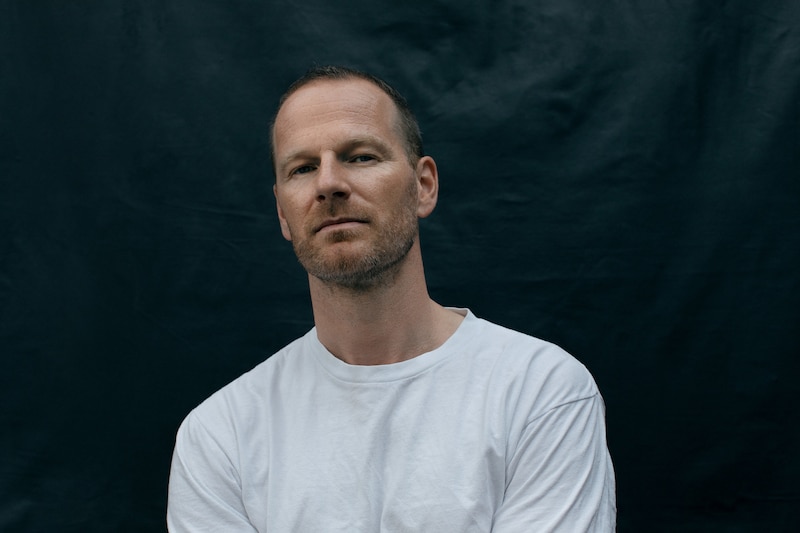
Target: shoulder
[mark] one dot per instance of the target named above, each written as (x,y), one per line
(234,406)
(533,371)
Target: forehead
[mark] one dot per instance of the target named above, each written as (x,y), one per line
(335,107)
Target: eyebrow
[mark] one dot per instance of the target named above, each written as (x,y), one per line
(370,141)
(346,146)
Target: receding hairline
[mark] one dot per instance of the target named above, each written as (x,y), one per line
(311,84)
(396,118)
(404,121)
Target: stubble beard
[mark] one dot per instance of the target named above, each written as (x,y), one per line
(364,271)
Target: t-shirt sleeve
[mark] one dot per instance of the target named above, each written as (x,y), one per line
(204,485)
(560,477)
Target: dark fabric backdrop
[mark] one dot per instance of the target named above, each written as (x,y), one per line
(621,178)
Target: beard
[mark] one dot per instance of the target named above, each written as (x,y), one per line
(388,246)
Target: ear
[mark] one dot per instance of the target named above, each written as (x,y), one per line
(428,183)
(287,234)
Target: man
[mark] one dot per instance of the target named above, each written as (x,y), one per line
(394,413)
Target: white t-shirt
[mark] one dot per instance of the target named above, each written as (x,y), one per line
(494,431)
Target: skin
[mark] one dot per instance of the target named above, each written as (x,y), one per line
(349,200)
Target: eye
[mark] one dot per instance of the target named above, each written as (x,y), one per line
(362,158)
(305,169)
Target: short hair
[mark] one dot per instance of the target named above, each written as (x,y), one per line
(409,127)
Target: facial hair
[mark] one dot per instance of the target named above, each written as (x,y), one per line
(389,245)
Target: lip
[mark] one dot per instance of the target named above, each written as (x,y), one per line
(339,222)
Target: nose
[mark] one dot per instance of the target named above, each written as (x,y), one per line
(332,181)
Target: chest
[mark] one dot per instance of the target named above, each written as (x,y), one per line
(404,457)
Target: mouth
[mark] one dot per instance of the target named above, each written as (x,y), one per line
(339,223)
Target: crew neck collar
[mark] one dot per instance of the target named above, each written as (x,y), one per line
(393,371)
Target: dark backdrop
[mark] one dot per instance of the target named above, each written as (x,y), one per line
(621,178)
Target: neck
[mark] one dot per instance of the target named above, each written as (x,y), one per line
(387,323)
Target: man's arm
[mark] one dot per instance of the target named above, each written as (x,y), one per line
(204,485)
(560,478)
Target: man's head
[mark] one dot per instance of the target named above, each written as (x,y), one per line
(406,122)
(348,193)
